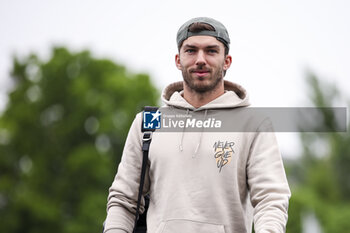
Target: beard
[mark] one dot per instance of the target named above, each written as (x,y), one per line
(203,84)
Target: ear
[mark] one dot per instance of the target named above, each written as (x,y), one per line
(177,62)
(227,62)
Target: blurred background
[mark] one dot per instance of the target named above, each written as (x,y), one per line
(73,74)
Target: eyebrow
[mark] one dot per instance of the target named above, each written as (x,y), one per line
(213,47)
(189,46)
(208,47)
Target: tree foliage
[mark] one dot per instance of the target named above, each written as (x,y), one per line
(322,174)
(61,138)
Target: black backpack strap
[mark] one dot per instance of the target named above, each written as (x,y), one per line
(146,142)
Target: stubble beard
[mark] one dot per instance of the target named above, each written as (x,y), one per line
(203,88)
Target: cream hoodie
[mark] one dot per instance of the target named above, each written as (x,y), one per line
(202,182)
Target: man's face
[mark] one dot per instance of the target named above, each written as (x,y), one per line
(202,61)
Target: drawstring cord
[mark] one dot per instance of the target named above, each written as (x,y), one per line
(200,136)
(183,132)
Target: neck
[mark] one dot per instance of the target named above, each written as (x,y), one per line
(198,99)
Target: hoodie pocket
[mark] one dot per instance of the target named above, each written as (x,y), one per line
(189,226)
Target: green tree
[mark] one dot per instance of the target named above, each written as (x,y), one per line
(61,138)
(322,179)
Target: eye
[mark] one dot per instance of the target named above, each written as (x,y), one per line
(189,50)
(212,51)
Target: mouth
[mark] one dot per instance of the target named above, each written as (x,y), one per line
(201,73)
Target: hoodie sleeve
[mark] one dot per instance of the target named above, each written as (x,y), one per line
(123,193)
(269,190)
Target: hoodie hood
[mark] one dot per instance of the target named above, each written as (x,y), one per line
(234,96)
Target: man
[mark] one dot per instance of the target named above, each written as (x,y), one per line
(202,181)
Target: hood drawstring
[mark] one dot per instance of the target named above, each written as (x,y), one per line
(200,136)
(183,132)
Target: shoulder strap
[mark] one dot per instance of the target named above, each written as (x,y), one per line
(146,142)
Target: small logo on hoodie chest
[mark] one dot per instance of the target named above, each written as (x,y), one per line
(223,152)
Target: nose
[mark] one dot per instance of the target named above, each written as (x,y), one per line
(200,59)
